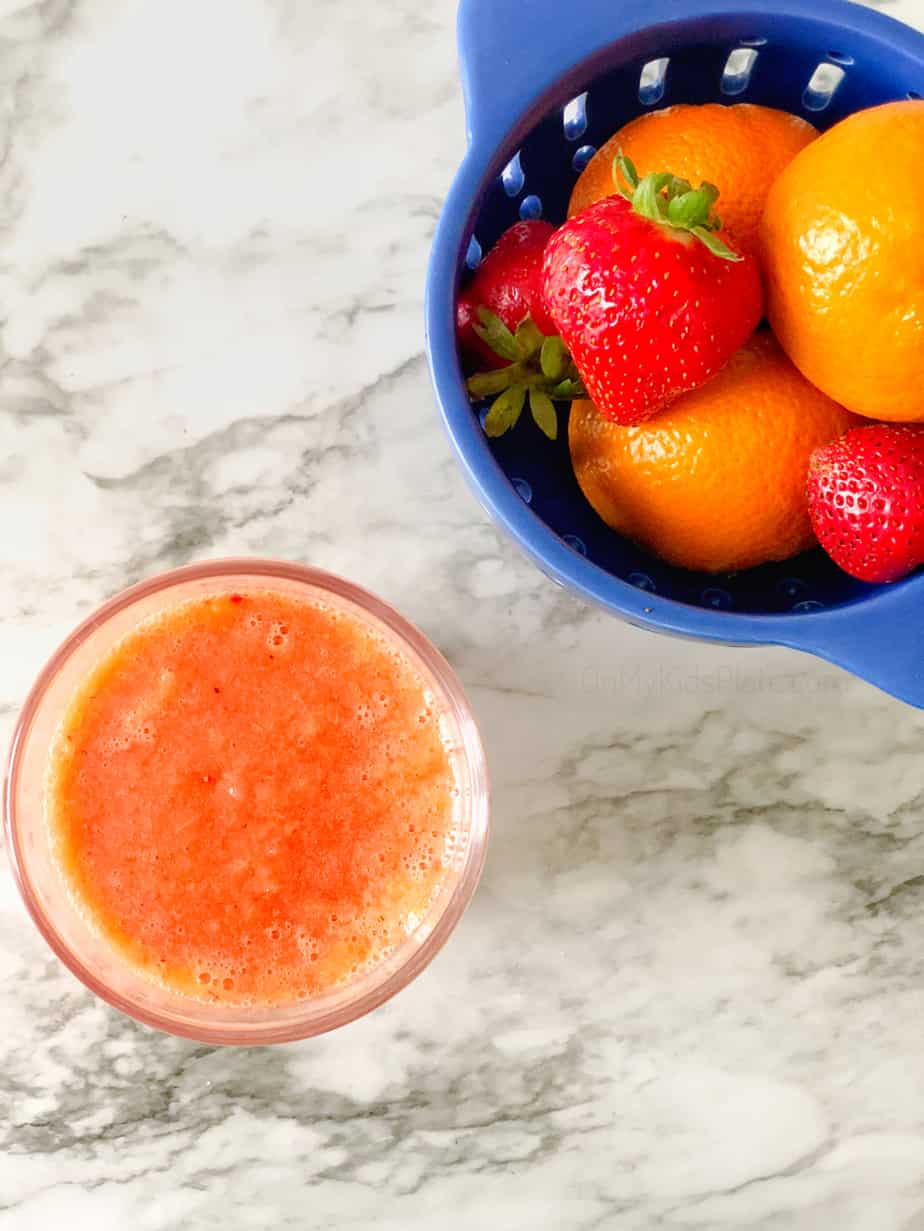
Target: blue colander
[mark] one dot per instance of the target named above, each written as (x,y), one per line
(546,82)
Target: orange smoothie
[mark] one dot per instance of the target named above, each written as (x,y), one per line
(251,798)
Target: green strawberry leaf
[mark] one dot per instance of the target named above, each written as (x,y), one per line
(483,384)
(693,207)
(649,200)
(505,411)
(715,245)
(625,176)
(543,412)
(567,390)
(492,330)
(528,338)
(554,359)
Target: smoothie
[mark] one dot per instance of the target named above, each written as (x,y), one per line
(251,797)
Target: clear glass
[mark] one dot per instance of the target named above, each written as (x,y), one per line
(42,884)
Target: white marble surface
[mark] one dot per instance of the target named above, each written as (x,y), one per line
(690,991)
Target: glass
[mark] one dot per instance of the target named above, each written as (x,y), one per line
(89,956)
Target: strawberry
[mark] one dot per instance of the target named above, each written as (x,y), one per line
(501,320)
(647,295)
(508,284)
(866,500)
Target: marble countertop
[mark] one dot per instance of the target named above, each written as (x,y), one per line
(689,992)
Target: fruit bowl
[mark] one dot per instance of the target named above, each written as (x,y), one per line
(543,87)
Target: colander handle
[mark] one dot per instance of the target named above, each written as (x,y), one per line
(510,51)
(880,640)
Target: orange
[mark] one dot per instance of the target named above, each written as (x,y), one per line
(717,481)
(843,246)
(741,149)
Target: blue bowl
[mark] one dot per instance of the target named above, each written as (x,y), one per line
(544,85)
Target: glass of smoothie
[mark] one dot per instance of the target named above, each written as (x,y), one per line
(246,802)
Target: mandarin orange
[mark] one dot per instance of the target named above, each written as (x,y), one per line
(717,481)
(740,148)
(843,251)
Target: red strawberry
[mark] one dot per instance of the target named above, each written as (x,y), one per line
(648,297)
(866,500)
(501,321)
(508,282)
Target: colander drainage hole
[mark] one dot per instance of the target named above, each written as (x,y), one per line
(653,81)
(913,94)
(574,117)
(792,588)
(642,582)
(582,157)
(473,255)
(531,207)
(512,176)
(736,76)
(808,604)
(718,599)
(523,490)
(576,544)
(822,86)
(840,57)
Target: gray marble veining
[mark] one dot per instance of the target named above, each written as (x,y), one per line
(689,992)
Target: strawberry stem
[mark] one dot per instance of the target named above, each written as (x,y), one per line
(669,201)
(541,368)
